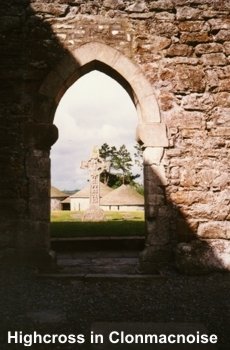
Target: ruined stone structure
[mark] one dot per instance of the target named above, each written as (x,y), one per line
(173,58)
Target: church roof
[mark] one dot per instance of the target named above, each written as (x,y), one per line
(123,195)
(56,193)
(84,193)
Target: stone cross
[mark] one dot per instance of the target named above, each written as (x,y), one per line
(95,165)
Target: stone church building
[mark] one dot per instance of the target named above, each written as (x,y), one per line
(56,198)
(173,59)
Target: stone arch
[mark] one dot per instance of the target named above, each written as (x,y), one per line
(94,55)
(151,132)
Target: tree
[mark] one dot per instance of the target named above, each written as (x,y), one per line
(122,161)
(138,155)
(120,168)
(107,153)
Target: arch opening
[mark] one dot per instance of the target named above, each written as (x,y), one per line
(99,112)
(150,131)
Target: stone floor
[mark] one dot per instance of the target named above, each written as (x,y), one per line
(110,256)
(53,304)
(97,262)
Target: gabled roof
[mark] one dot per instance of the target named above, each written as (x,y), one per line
(56,193)
(84,193)
(123,195)
(66,200)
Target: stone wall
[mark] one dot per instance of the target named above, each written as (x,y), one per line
(183,49)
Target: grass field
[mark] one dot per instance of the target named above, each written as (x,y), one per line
(70,224)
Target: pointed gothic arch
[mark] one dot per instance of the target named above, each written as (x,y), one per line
(151,133)
(97,56)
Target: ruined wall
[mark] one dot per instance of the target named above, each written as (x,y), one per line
(183,48)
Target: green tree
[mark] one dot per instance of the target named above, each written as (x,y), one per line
(107,153)
(138,156)
(120,168)
(122,161)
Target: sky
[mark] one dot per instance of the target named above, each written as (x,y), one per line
(94,110)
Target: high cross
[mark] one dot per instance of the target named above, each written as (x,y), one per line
(95,165)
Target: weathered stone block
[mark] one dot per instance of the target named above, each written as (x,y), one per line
(166,101)
(138,6)
(186,120)
(157,235)
(223,35)
(212,79)
(142,16)
(203,256)
(222,99)
(198,102)
(224,85)
(214,59)
(195,38)
(221,131)
(165,16)
(153,183)
(161,5)
(201,49)
(155,257)
(227,47)
(187,12)
(220,116)
(156,199)
(219,23)
(189,197)
(192,26)
(210,211)
(159,172)
(179,50)
(174,173)
(188,178)
(214,230)
(152,134)
(166,28)
(151,211)
(212,177)
(153,155)
(114,4)
(189,78)
(53,9)
(159,43)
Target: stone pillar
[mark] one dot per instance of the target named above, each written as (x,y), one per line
(158,247)
(32,242)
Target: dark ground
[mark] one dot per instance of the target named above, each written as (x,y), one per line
(30,303)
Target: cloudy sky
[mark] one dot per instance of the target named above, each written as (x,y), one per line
(94,110)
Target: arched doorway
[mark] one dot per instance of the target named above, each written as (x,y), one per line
(96,110)
(151,132)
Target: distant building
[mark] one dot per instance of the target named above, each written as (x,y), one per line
(123,198)
(56,198)
(65,204)
(80,199)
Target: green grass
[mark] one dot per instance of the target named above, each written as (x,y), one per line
(70,224)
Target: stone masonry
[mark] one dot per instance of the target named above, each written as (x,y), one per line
(173,58)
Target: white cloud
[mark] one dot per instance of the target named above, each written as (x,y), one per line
(94,110)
